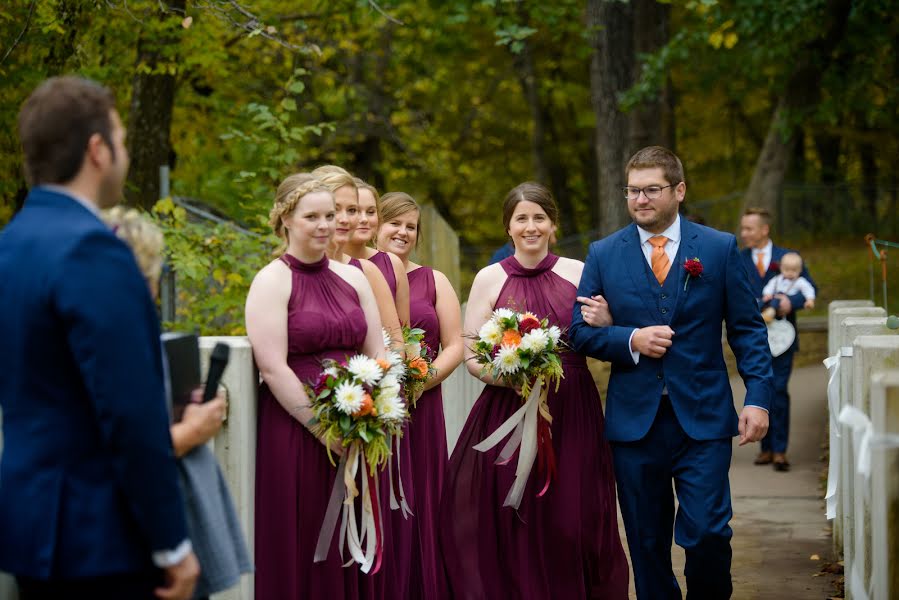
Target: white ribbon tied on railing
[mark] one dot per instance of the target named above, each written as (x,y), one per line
(833,467)
(864,440)
(523,426)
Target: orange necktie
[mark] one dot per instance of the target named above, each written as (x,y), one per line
(660,263)
(760,264)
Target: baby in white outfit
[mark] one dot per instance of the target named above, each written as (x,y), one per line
(789,282)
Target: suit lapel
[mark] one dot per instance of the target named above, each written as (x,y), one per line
(689,248)
(635,262)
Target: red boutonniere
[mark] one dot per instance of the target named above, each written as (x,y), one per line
(774,266)
(693,267)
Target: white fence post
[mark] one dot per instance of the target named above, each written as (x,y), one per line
(460,391)
(833,324)
(885,487)
(870,354)
(844,451)
(235,444)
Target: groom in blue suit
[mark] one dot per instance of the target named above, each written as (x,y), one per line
(669,411)
(90,505)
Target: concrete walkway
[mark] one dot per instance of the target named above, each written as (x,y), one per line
(779,519)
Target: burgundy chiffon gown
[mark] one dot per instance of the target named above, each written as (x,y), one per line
(427,443)
(393,579)
(293,475)
(566,543)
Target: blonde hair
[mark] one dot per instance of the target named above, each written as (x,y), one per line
(288,195)
(334,177)
(791,259)
(142,236)
(394,204)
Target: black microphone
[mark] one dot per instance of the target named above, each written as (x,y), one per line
(218,360)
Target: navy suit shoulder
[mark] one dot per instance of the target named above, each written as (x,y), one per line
(85,423)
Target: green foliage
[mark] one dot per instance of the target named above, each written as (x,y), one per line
(214,266)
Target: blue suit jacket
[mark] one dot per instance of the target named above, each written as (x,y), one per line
(758,283)
(693,368)
(88,483)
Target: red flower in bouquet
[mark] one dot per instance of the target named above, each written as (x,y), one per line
(693,267)
(528,323)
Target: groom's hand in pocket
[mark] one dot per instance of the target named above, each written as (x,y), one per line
(753,424)
(652,341)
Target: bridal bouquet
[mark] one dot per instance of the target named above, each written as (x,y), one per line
(358,404)
(418,364)
(524,351)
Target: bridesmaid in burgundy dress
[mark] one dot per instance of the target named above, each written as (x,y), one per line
(564,544)
(346,200)
(301,308)
(434,307)
(397,531)
(359,246)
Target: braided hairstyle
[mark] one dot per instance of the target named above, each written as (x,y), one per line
(289,193)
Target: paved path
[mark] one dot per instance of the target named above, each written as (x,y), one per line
(779,517)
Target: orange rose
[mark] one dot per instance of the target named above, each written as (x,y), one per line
(420,365)
(511,338)
(385,366)
(367,408)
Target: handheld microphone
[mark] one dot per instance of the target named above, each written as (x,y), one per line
(218,360)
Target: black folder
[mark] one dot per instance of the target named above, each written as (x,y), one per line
(182,358)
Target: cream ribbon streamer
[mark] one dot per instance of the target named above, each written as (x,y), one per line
(401,504)
(326,533)
(524,418)
(359,538)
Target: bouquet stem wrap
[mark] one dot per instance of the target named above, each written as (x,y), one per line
(529,426)
(364,539)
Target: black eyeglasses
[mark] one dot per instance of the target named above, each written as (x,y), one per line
(652,192)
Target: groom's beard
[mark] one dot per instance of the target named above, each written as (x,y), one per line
(656,220)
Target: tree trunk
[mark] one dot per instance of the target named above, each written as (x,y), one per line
(548,167)
(610,24)
(869,178)
(801,94)
(651,123)
(150,119)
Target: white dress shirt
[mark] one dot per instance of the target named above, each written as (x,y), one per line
(765,251)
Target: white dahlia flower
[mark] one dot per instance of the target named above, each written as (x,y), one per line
(366,369)
(348,397)
(491,332)
(507,360)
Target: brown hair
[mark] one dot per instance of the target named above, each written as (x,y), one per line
(289,194)
(657,157)
(532,192)
(762,214)
(394,204)
(57,121)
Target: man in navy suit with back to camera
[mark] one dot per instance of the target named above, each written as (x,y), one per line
(762,258)
(89,500)
(668,285)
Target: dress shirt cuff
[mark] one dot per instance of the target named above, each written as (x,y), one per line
(756,406)
(630,346)
(169,558)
